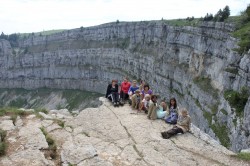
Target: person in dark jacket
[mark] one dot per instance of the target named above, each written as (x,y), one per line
(112,93)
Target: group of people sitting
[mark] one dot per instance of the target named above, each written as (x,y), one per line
(141,98)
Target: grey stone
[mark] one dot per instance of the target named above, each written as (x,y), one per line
(45,116)
(7,125)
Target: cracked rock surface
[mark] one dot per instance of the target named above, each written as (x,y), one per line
(108,136)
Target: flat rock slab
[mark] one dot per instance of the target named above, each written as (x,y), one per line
(7,125)
(107,136)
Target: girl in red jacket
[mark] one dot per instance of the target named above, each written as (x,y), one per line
(124,89)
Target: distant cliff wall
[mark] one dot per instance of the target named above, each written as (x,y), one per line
(194,64)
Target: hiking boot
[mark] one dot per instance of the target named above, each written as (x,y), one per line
(121,103)
(165,135)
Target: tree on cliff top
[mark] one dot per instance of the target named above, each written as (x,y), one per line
(221,15)
(248,12)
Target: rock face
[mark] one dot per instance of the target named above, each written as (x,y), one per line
(193,64)
(107,136)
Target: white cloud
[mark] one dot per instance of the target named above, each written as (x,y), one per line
(37,15)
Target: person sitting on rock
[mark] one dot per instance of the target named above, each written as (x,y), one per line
(153,106)
(142,85)
(183,125)
(162,112)
(125,85)
(146,90)
(136,100)
(132,90)
(145,103)
(173,112)
(112,93)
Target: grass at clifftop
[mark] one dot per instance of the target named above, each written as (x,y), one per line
(49,32)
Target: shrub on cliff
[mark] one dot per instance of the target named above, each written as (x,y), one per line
(242,31)
(3,145)
(237,100)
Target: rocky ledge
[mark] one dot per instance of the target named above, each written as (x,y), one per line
(106,136)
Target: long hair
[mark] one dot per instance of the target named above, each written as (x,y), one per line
(175,103)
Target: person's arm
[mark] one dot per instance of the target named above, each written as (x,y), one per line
(116,88)
(129,90)
(121,87)
(108,91)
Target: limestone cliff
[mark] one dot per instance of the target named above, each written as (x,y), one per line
(194,64)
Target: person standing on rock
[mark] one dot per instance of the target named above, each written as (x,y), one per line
(183,125)
(152,108)
(112,93)
(125,85)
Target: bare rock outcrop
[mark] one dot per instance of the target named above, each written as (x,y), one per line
(107,136)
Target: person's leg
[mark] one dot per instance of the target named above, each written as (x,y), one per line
(122,96)
(133,101)
(113,98)
(175,130)
(116,97)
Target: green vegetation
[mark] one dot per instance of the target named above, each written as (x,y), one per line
(60,122)
(198,103)
(237,100)
(244,35)
(52,145)
(205,84)
(224,111)
(16,98)
(42,33)
(244,156)
(42,110)
(76,97)
(3,144)
(183,22)
(208,116)
(220,16)
(20,102)
(12,111)
(235,122)
(221,132)
(232,70)
(242,32)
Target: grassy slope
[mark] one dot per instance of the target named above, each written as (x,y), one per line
(49,32)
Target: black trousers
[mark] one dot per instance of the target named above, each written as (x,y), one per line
(175,130)
(124,96)
(115,96)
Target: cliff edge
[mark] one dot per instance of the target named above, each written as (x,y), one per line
(106,136)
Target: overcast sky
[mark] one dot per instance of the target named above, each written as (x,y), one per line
(20,16)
